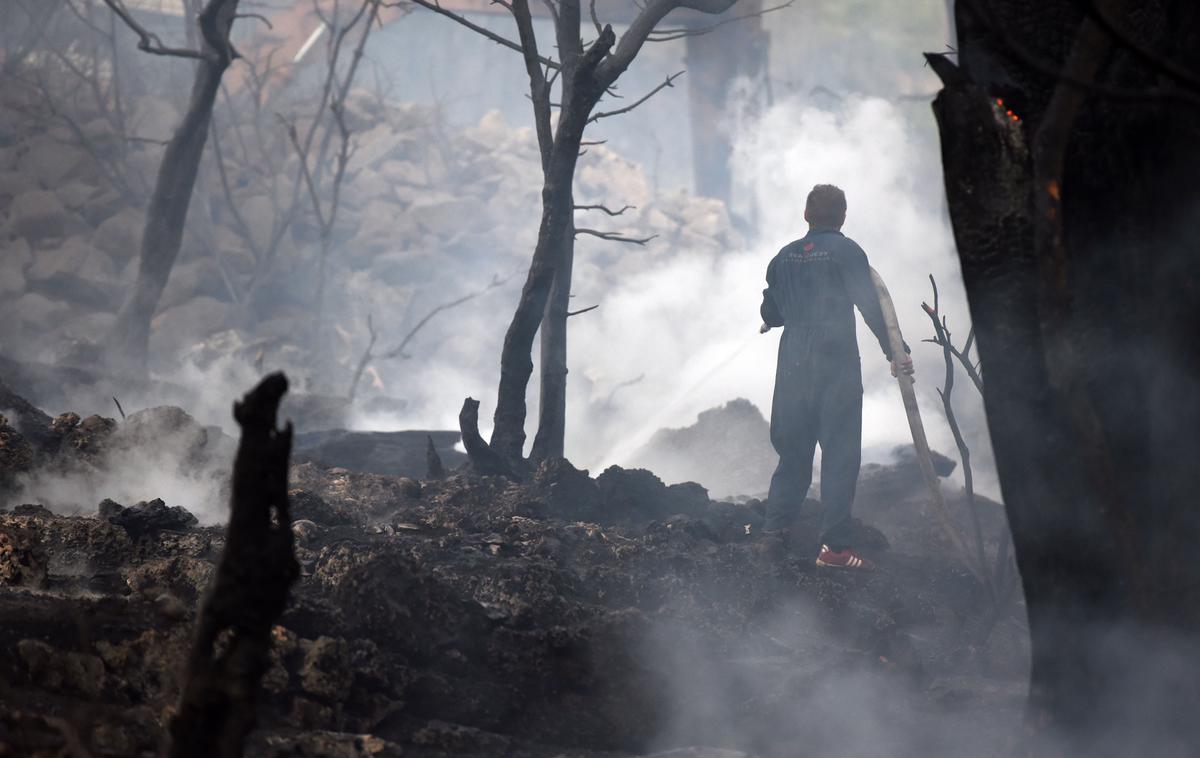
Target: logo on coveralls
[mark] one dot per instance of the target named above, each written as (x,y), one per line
(810,254)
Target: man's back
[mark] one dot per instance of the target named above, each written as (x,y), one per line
(813,285)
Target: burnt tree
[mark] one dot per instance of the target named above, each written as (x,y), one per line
(584,75)
(1071,149)
(231,651)
(167,212)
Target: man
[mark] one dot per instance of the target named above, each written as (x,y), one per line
(813,286)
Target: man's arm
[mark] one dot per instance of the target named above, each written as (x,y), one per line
(769,310)
(856,276)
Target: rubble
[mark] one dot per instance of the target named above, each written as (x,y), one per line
(146,518)
(728,449)
(420,203)
(474,615)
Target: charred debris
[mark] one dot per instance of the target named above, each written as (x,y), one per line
(454,612)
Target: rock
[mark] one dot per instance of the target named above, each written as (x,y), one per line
(164,427)
(81,438)
(389,453)
(728,450)
(120,235)
(187,323)
(410,488)
(569,493)
(326,672)
(14,257)
(77,273)
(74,195)
(22,416)
(50,163)
(101,206)
(26,318)
(171,607)
(312,412)
(906,455)
(16,454)
(305,532)
(38,215)
(33,510)
(23,560)
(639,495)
(446,217)
(108,509)
(154,118)
(150,517)
(183,577)
(188,280)
(326,744)
(61,670)
(305,506)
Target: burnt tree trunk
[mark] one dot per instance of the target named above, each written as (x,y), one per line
(1071,147)
(586,75)
(554,239)
(231,651)
(167,212)
(550,441)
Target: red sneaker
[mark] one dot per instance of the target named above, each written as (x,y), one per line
(843,559)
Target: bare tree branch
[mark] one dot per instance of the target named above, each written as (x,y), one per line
(666,35)
(539,89)
(605,209)
(436,7)
(615,236)
(147,40)
(670,82)
(398,351)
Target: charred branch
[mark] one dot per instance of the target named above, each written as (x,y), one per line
(669,82)
(605,209)
(231,650)
(616,236)
(484,459)
(666,35)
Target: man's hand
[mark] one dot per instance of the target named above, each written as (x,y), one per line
(904,365)
(764,328)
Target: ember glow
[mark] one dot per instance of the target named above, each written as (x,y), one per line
(1007,111)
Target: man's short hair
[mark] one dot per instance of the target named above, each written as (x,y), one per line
(826,206)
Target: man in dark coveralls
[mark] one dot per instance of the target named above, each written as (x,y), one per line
(813,286)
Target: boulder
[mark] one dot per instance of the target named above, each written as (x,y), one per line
(445,217)
(184,324)
(728,450)
(164,427)
(389,453)
(120,235)
(50,163)
(638,495)
(191,279)
(60,670)
(147,517)
(39,214)
(101,205)
(14,257)
(23,559)
(16,454)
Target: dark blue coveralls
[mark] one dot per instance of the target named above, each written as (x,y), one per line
(813,285)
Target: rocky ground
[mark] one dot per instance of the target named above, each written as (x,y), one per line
(565,615)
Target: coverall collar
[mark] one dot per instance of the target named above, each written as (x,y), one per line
(825,230)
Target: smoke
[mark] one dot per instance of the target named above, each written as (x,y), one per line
(795,685)
(689,323)
(156,453)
